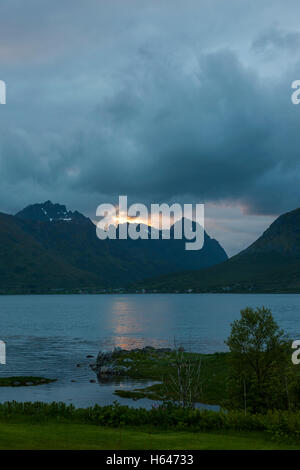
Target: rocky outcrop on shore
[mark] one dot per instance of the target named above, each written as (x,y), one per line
(113,363)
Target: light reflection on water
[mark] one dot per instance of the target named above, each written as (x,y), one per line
(50,335)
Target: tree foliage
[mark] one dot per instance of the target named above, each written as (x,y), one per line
(260,375)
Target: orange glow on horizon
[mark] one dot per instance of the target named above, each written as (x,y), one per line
(157,221)
(131,220)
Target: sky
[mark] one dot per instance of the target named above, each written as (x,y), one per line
(160,100)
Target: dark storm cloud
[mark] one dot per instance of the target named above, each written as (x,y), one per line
(156,100)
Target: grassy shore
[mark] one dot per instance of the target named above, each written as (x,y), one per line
(115,427)
(156,366)
(83,436)
(24,381)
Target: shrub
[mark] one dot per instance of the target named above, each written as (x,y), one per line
(166,416)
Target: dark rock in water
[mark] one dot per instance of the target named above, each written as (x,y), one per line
(89,356)
(77,365)
(92,381)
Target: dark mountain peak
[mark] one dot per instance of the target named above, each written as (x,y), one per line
(185,220)
(58,248)
(283,236)
(288,221)
(147,228)
(270,264)
(49,212)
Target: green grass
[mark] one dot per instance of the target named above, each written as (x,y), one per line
(84,436)
(155,366)
(23,381)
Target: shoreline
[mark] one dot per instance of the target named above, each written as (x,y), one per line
(160,365)
(129,292)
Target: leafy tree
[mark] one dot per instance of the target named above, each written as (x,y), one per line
(260,364)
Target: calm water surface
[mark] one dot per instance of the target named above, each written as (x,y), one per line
(50,335)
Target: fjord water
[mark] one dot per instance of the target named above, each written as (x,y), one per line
(52,335)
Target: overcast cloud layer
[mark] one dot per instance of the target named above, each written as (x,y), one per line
(160,100)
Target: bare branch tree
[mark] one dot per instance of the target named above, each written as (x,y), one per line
(185,385)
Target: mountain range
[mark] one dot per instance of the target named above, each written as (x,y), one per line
(47,247)
(270,264)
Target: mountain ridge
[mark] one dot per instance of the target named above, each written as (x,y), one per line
(270,264)
(67,242)
(49,212)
